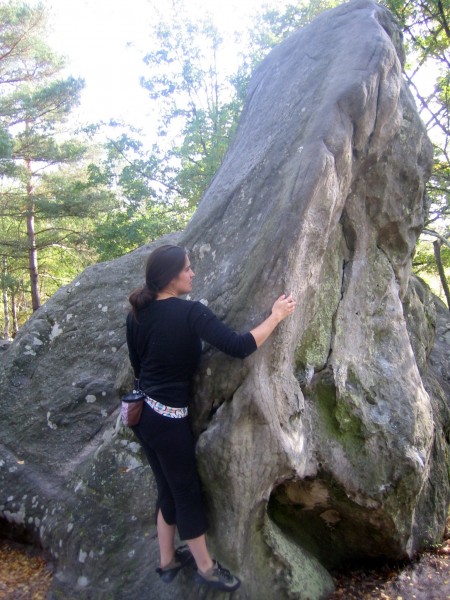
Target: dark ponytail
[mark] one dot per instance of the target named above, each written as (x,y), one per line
(140,298)
(163,265)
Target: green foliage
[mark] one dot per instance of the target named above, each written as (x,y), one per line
(426,27)
(274,25)
(24,55)
(426,24)
(158,189)
(424,263)
(146,206)
(125,230)
(47,202)
(198,109)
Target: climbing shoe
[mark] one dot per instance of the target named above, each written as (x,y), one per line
(218,578)
(182,558)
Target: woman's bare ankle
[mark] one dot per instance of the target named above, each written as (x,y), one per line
(166,563)
(205,565)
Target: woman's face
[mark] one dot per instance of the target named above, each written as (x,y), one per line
(182,283)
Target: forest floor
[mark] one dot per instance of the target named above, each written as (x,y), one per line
(25,575)
(24,572)
(425,578)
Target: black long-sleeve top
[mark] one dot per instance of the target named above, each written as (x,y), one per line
(164,345)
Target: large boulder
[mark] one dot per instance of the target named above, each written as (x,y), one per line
(326,446)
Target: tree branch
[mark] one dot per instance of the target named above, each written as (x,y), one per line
(444,19)
(443,239)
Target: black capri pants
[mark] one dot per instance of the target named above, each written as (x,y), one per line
(170,450)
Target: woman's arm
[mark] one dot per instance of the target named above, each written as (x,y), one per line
(282,308)
(209,328)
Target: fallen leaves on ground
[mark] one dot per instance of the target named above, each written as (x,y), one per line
(24,574)
(425,578)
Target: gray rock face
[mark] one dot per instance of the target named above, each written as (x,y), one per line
(326,446)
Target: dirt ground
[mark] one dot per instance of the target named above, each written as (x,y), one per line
(25,575)
(426,578)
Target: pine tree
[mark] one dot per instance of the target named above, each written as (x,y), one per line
(45,191)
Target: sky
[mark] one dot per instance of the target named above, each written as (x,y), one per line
(104,42)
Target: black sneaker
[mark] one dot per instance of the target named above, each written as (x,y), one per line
(182,558)
(218,578)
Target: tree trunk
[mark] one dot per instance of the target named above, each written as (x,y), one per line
(444,282)
(5,300)
(15,322)
(32,250)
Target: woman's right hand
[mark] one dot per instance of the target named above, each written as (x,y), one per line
(283,307)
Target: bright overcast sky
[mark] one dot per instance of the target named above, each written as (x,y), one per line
(105,41)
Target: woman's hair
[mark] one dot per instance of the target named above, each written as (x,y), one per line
(163,265)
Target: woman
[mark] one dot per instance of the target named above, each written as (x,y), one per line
(164,334)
